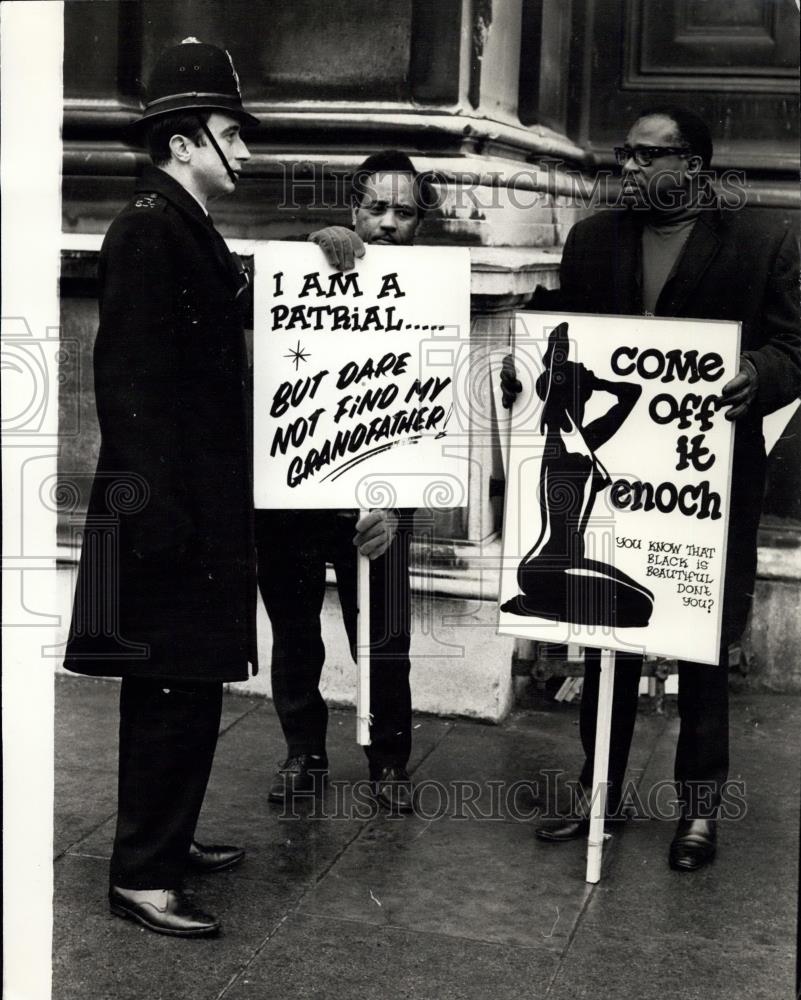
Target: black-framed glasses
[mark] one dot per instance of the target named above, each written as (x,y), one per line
(643,156)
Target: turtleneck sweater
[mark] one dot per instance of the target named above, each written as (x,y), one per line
(664,237)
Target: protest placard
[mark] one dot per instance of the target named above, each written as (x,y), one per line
(354,377)
(618,479)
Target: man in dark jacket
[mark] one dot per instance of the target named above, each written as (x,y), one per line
(388,202)
(674,251)
(166,587)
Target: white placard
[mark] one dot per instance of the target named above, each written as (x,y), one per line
(619,470)
(354,376)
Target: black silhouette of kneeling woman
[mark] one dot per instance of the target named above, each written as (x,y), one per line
(556,578)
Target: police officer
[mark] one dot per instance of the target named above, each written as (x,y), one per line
(165,597)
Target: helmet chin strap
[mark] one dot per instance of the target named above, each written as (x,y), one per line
(217,149)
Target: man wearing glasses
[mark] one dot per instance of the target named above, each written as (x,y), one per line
(388,202)
(674,251)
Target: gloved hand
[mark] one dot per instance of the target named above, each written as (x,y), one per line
(375,531)
(510,386)
(340,245)
(740,393)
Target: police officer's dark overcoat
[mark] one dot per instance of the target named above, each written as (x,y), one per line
(167,580)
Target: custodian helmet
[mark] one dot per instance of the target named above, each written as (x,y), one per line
(194,76)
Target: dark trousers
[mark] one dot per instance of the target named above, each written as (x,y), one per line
(168,734)
(702,754)
(293,548)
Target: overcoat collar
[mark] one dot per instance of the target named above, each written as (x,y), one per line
(702,245)
(158,181)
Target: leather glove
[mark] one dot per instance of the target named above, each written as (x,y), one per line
(510,386)
(740,393)
(375,531)
(340,245)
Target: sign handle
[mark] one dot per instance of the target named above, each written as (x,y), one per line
(600,771)
(363,648)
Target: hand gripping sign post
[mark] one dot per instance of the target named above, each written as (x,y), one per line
(617,499)
(353,389)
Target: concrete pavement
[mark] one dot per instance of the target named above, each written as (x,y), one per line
(460,901)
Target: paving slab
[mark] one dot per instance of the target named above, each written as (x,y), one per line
(725,931)
(102,957)
(252,742)
(291,845)
(336,900)
(741,896)
(256,743)
(621,964)
(84,800)
(483,881)
(527,765)
(764,755)
(86,722)
(320,959)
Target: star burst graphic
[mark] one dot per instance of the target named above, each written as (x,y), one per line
(297,354)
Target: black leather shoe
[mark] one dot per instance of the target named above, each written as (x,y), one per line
(206,858)
(694,845)
(559,832)
(164,911)
(574,828)
(393,789)
(300,775)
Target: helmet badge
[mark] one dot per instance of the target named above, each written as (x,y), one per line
(234,72)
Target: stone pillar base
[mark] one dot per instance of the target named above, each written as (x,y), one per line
(773,637)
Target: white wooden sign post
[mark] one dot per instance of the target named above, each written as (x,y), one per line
(363,649)
(600,773)
(617,499)
(354,404)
